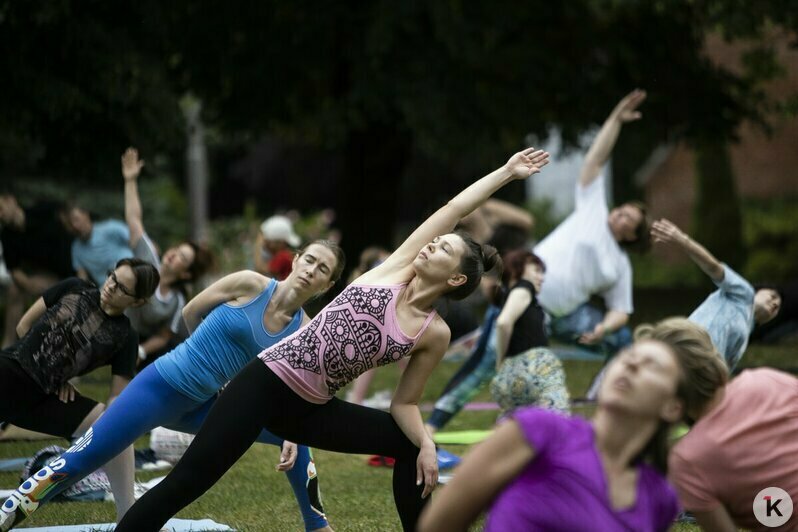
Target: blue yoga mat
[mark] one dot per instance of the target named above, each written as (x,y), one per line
(575,353)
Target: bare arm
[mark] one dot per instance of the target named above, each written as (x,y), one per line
(613,320)
(243,284)
(131,168)
(35,312)
(501,212)
(404,405)
(604,142)
(157,341)
(667,232)
(520,166)
(717,520)
(517,302)
(486,469)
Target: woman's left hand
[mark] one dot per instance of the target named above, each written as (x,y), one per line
(427,469)
(287,457)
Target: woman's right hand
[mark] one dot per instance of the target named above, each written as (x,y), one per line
(131,164)
(527,162)
(665,231)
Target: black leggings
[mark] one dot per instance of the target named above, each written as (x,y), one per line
(255,399)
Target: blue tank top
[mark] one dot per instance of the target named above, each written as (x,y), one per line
(226,340)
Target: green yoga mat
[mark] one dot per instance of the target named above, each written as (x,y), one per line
(461,437)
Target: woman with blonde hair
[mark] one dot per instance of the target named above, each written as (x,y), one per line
(608,473)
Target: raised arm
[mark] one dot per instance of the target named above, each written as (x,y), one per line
(667,232)
(599,152)
(485,470)
(499,212)
(520,166)
(244,284)
(131,168)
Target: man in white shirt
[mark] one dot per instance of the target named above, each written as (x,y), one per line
(586,254)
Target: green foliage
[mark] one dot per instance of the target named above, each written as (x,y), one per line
(231,240)
(769,229)
(651,272)
(545,219)
(717,221)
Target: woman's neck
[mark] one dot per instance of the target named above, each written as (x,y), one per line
(420,295)
(165,284)
(620,438)
(286,300)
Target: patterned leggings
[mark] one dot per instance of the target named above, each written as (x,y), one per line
(147,402)
(532,378)
(256,399)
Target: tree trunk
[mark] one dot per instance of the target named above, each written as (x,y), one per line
(718,218)
(196,171)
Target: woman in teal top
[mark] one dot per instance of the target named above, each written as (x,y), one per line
(246,312)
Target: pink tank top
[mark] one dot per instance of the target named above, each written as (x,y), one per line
(357,331)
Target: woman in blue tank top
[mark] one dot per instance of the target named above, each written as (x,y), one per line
(245,312)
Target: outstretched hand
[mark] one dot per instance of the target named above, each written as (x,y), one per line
(665,231)
(131,164)
(527,162)
(626,110)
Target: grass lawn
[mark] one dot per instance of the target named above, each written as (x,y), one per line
(252,497)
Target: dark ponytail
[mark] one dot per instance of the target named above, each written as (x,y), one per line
(477,260)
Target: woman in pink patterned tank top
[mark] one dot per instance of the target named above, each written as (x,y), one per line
(386,314)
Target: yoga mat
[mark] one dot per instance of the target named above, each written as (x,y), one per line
(575,353)
(461,437)
(140,489)
(429,407)
(173,525)
(461,348)
(12,464)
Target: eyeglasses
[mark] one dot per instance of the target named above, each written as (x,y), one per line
(117,285)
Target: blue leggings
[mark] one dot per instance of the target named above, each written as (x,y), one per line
(147,402)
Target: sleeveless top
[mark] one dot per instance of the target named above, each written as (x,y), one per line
(226,340)
(529,329)
(357,331)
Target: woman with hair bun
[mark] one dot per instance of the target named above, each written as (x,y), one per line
(385,315)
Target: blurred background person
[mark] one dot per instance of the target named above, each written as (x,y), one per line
(273,253)
(36,252)
(158,321)
(97,246)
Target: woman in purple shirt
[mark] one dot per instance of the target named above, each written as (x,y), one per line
(545,471)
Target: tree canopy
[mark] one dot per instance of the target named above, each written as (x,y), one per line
(458,84)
